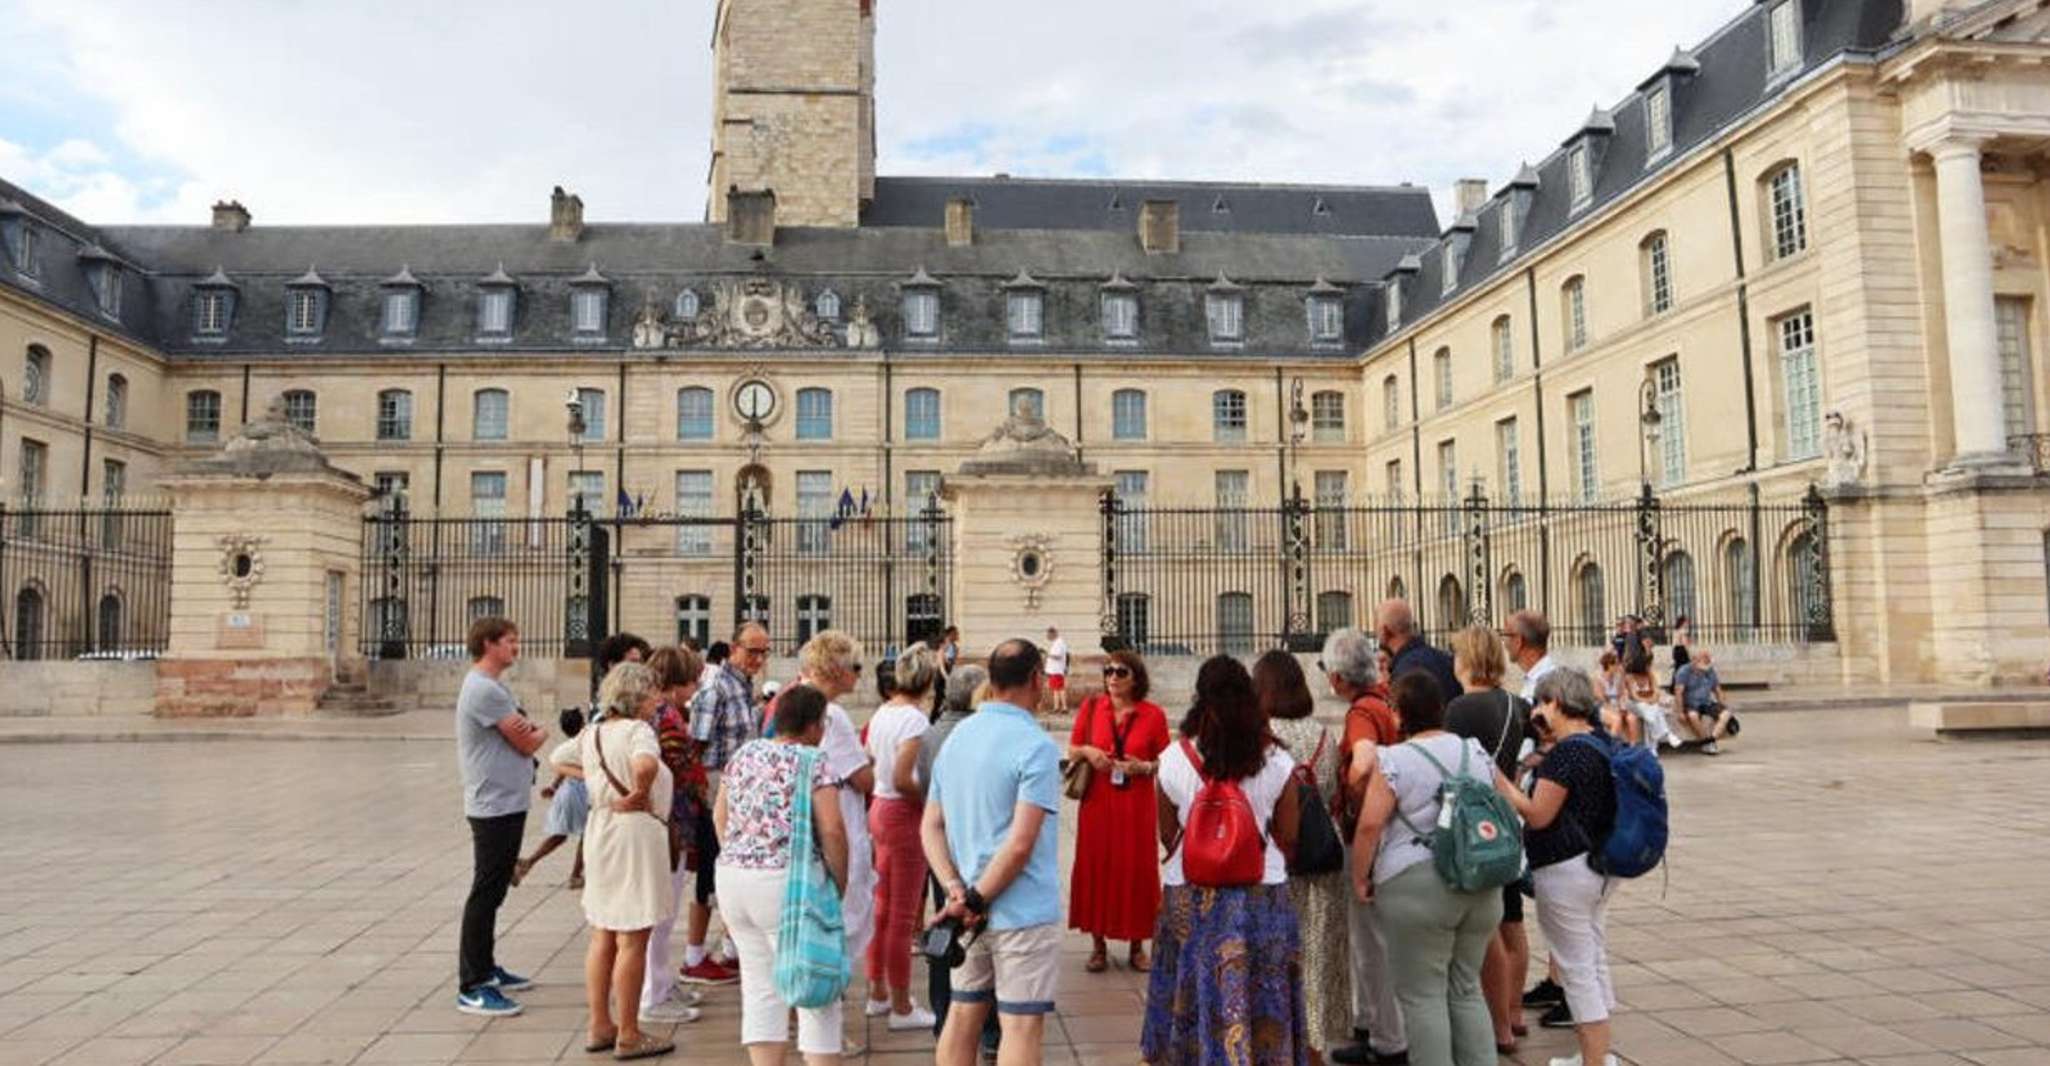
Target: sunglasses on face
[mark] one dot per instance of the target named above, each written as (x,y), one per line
(1116,671)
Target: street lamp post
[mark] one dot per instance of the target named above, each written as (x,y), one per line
(1298,423)
(1649,418)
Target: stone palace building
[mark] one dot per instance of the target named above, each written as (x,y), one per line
(1808,251)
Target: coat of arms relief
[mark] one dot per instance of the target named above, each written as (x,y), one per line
(753,313)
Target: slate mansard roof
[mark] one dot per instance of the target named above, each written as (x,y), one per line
(1277,242)
(1730,80)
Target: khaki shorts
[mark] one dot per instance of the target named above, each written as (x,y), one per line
(1017,968)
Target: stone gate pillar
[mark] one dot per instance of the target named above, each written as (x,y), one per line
(265,562)
(1028,540)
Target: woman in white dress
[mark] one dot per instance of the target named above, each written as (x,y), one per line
(626,857)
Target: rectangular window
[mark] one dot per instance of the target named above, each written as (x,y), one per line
(1327,417)
(25,259)
(1396,486)
(1507,213)
(1234,490)
(106,283)
(487,506)
(304,315)
(1235,623)
(1658,275)
(1576,315)
(1131,494)
(1508,462)
(1789,213)
(1658,122)
(1587,483)
(587,310)
(922,414)
(1120,316)
(815,508)
(1784,36)
(588,487)
(922,315)
(1801,380)
(35,469)
(1228,416)
(921,490)
(1579,179)
(1334,611)
(1128,415)
(1449,269)
(2017,373)
(1448,484)
(1672,430)
(489,414)
(211,315)
(1441,377)
(113,480)
(693,501)
(494,313)
(302,409)
(202,417)
(1391,404)
(593,403)
(1393,298)
(1327,319)
(1226,313)
(394,415)
(1505,350)
(694,414)
(814,414)
(1333,495)
(1025,312)
(401,307)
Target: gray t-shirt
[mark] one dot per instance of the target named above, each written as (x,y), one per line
(1418,788)
(496,777)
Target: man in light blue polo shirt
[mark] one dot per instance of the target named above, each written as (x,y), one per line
(992,836)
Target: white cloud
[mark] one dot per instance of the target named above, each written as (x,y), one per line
(469,111)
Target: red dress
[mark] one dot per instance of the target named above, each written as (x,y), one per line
(1116,890)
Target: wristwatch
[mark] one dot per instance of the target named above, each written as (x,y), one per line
(972,899)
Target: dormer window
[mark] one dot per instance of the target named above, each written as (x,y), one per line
(922,307)
(827,306)
(1507,214)
(1224,308)
(495,306)
(306,306)
(1393,288)
(1327,318)
(1450,268)
(1579,176)
(1025,309)
(399,315)
(1783,37)
(213,306)
(103,273)
(1658,122)
(588,297)
(23,248)
(1120,316)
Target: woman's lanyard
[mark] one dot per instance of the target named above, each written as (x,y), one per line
(1117,742)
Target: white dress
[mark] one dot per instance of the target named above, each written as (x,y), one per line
(626,856)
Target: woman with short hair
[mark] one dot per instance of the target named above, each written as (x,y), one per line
(627,883)
(754,814)
(1500,721)
(1115,890)
(895,733)
(1573,805)
(677,670)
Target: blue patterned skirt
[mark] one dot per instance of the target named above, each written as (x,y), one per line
(1227,984)
(566,814)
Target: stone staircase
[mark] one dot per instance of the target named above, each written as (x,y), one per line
(353,699)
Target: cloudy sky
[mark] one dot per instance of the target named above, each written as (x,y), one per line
(353,111)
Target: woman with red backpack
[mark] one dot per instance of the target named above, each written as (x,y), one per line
(1227,972)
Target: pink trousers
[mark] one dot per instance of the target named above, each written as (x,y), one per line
(900,888)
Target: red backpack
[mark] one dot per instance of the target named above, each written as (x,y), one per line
(1222,844)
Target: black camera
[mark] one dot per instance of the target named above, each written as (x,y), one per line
(946,944)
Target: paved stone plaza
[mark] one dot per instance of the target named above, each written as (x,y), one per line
(1840,890)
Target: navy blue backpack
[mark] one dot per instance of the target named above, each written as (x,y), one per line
(1636,844)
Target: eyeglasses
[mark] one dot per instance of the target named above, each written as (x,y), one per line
(1321,668)
(1116,671)
(762,650)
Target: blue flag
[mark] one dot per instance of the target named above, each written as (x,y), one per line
(845,511)
(626,505)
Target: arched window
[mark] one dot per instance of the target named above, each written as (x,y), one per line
(108,622)
(592,401)
(827,306)
(490,411)
(694,413)
(1656,264)
(202,416)
(35,376)
(1451,604)
(394,415)
(302,410)
(1235,623)
(116,416)
(814,414)
(1786,211)
(28,623)
(814,616)
(922,414)
(1441,377)
(1128,414)
(1805,593)
(1391,403)
(485,607)
(1327,417)
(1228,415)
(1573,312)
(694,620)
(1680,597)
(1515,592)
(1590,602)
(1334,611)
(1740,586)
(1504,346)
(1398,589)
(687,304)
(1028,403)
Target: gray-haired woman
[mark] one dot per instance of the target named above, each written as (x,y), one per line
(1573,805)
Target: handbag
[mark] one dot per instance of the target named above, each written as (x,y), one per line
(812,966)
(1077,774)
(1317,847)
(674,832)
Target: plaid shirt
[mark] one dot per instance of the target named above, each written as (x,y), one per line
(723,716)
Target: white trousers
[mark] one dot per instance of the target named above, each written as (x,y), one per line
(1373,987)
(752,901)
(1573,912)
(858,903)
(661,976)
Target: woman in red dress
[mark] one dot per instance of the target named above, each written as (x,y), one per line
(1116,891)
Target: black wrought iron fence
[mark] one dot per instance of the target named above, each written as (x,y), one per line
(1197,581)
(569,581)
(88,581)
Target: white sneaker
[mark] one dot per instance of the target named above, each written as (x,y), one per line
(671,1011)
(689,997)
(1574,1060)
(919,1018)
(877,1008)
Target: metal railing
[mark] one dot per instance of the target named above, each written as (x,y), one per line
(85,581)
(1198,581)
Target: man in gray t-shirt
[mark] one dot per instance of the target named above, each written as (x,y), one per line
(495,745)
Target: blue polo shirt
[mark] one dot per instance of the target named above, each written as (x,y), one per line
(996,759)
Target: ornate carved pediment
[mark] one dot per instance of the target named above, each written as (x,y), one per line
(749,313)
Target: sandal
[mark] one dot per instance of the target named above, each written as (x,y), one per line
(647,1047)
(520,870)
(1099,961)
(595,1047)
(576,884)
(1140,963)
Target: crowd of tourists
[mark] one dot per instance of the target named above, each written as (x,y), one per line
(1293,892)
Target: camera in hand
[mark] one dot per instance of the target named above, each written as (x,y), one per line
(946,944)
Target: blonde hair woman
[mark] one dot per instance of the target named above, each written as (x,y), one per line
(626,856)
(1499,719)
(831,663)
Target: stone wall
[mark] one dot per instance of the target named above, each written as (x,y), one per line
(240,688)
(39,689)
(541,685)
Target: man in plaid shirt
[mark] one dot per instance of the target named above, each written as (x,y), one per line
(723,716)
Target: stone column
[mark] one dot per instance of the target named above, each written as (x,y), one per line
(1976,396)
(259,531)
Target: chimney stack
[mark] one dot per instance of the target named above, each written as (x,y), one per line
(1468,194)
(230,216)
(565,216)
(1160,227)
(751,217)
(960,222)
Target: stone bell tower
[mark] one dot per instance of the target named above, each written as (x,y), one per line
(793,108)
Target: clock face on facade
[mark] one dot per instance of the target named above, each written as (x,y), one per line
(754,401)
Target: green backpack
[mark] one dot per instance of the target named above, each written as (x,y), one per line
(1478,842)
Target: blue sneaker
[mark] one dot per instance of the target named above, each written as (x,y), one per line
(507,981)
(487,1001)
